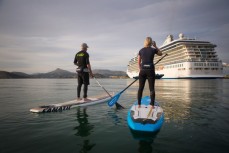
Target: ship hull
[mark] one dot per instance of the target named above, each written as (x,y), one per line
(190,70)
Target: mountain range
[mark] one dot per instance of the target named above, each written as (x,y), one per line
(59,73)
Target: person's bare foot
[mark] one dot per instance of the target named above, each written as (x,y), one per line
(86,99)
(78,99)
(151,107)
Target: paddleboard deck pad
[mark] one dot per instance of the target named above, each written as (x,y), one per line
(69,104)
(138,119)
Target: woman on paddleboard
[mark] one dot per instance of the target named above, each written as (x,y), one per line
(147,70)
(83,70)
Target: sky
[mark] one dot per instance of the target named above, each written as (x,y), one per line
(38,36)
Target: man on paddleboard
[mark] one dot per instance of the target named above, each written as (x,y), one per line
(83,70)
(147,70)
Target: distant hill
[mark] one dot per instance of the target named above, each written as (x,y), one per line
(11,75)
(59,73)
(109,73)
(21,74)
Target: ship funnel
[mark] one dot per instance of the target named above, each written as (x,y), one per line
(168,40)
(181,36)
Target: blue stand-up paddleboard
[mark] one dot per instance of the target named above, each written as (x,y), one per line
(144,119)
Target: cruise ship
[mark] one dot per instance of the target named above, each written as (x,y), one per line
(187,59)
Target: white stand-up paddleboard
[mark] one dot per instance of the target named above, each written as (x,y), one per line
(69,104)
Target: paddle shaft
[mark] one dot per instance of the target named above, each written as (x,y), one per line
(128,86)
(103,87)
(160,59)
(118,106)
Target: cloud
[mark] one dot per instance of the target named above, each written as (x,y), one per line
(38,36)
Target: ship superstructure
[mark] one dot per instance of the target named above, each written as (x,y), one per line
(188,58)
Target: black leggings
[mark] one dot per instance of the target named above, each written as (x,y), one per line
(83,78)
(143,75)
(84,90)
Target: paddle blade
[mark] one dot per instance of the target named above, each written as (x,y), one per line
(114,100)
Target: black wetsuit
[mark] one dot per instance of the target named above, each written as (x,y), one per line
(81,60)
(147,72)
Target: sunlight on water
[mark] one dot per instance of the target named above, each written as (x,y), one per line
(196,113)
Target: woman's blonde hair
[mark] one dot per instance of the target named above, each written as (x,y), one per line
(148,42)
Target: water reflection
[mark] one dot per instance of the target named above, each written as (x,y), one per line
(115,117)
(145,139)
(177,97)
(84,129)
(86,146)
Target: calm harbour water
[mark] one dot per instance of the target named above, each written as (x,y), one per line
(196,118)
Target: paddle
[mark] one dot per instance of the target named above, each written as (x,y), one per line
(116,97)
(118,106)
